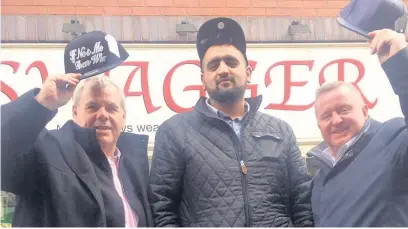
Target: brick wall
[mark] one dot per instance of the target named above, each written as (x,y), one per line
(155,20)
(308,8)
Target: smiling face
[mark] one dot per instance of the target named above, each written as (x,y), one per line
(340,115)
(225,73)
(101,108)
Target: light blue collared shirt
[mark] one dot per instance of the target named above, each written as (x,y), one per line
(234,124)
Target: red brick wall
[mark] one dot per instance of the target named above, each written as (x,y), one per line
(310,8)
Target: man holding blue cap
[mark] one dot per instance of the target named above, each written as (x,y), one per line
(225,164)
(88,173)
(362,179)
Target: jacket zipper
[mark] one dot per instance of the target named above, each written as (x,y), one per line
(244,177)
(245,188)
(244,181)
(244,170)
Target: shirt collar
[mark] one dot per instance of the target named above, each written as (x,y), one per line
(345,146)
(222,114)
(116,156)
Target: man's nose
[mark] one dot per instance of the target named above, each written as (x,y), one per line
(102,114)
(336,118)
(223,69)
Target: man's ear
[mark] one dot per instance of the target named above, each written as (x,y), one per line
(248,74)
(365,111)
(74,111)
(202,78)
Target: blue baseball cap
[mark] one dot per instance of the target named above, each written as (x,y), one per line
(365,16)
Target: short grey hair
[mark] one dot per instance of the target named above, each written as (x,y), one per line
(334,85)
(100,81)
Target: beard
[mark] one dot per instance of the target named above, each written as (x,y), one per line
(227,96)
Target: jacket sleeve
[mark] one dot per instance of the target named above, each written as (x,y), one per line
(396,69)
(300,182)
(22,121)
(166,175)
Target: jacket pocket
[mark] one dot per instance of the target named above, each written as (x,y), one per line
(268,145)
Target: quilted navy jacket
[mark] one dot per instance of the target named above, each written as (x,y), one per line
(202,175)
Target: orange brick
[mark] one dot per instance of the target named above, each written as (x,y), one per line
(264,3)
(173,11)
(47,2)
(17,3)
(200,11)
(23,10)
(76,2)
(165,11)
(290,4)
(105,3)
(291,12)
(328,12)
(186,3)
(238,3)
(159,2)
(131,2)
(58,10)
(226,11)
(117,10)
(239,11)
(252,11)
(145,11)
(314,4)
(212,3)
(89,10)
(336,4)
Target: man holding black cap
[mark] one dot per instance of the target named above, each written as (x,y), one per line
(88,173)
(225,164)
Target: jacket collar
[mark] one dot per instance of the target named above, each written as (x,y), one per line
(317,151)
(254,104)
(80,162)
(86,138)
(81,165)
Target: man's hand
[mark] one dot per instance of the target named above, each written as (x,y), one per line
(386,43)
(54,92)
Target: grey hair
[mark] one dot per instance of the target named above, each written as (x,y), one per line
(100,81)
(334,85)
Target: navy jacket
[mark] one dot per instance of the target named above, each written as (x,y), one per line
(368,187)
(61,177)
